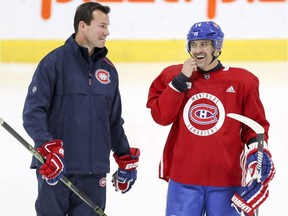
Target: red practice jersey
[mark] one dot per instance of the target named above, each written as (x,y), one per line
(204,146)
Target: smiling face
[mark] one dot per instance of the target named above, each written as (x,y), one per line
(94,34)
(203,52)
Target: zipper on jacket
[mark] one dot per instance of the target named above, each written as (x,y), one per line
(90,78)
(90,121)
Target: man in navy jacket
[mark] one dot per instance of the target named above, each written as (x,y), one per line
(74,105)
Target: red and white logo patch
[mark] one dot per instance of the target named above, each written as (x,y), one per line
(203,114)
(103,76)
(102,182)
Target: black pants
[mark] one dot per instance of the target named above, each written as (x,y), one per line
(59,200)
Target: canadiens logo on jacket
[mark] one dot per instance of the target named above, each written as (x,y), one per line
(103,76)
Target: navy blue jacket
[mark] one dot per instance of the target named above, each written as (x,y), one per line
(76,98)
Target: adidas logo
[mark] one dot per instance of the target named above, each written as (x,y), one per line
(230,89)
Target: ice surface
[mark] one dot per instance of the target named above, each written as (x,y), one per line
(18,183)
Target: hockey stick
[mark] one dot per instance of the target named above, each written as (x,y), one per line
(66,181)
(259,130)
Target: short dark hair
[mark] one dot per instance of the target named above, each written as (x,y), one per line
(84,13)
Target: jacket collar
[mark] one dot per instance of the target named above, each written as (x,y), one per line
(99,53)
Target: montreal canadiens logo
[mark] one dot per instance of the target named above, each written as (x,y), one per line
(103,76)
(102,182)
(203,114)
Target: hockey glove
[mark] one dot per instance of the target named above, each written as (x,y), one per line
(250,198)
(54,167)
(126,175)
(267,169)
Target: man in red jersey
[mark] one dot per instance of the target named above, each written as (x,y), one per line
(204,158)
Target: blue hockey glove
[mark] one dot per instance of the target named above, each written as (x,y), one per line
(126,174)
(54,167)
(267,169)
(250,198)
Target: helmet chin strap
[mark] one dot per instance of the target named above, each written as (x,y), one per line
(214,57)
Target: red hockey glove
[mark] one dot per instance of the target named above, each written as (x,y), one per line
(250,198)
(126,175)
(54,166)
(268,169)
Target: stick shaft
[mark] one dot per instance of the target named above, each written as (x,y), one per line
(66,181)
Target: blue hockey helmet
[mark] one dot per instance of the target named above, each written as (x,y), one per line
(206,31)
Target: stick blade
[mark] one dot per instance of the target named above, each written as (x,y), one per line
(247,121)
